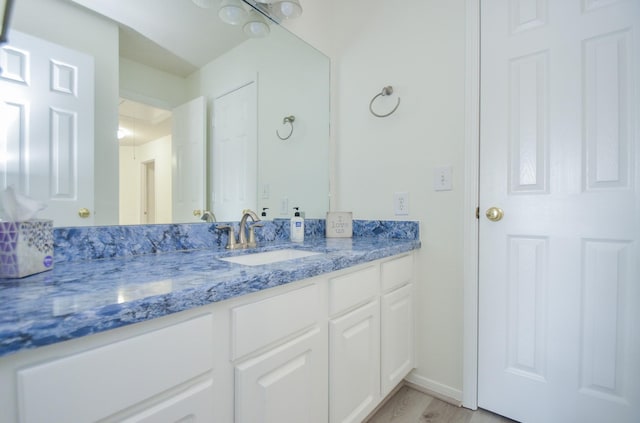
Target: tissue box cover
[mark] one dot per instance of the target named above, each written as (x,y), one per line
(25,248)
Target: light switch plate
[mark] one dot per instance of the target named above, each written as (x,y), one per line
(442,178)
(284,206)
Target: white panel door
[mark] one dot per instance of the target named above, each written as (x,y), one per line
(188,174)
(287,384)
(235,152)
(559,293)
(397,327)
(47,126)
(354,364)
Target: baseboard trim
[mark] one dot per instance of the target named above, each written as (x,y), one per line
(435,389)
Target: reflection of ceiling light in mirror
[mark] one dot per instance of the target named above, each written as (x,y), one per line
(256,26)
(205,4)
(287,9)
(122,132)
(232,12)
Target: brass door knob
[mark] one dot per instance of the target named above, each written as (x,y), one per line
(84,213)
(197,212)
(494,214)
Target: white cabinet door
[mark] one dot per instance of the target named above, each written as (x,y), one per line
(397,346)
(285,384)
(354,363)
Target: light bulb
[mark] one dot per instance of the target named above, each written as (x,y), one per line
(288,9)
(232,12)
(256,26)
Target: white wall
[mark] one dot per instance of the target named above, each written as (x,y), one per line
(131,160)
(418,47)
(151,86)
(68,25)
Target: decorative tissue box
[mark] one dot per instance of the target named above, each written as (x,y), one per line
(339,225)
(25,248)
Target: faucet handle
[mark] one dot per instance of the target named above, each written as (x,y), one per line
(231,242)
(252,235)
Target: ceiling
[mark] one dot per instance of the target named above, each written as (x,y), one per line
(142,123)
(172,35)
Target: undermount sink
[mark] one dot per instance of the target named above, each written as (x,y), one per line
(268,257)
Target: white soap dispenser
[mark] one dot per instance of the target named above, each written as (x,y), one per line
(297,226)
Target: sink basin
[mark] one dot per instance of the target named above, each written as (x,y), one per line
(269,257)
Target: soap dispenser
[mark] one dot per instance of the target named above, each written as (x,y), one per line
(297,226)
(263,215)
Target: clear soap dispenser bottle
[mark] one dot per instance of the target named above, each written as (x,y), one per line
(297,226)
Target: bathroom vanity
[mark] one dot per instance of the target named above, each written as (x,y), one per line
(312,339)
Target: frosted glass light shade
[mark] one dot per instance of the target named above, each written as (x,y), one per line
(256,26)
(232,12)
(287,9)
(205,4)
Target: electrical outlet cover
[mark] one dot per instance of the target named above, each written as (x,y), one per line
(401,203)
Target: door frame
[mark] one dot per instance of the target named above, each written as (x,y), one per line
(144,191)
(471,204)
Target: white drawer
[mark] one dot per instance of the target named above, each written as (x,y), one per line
(352,289)
(193,405)
(397,272)
(258,324)
(98,382)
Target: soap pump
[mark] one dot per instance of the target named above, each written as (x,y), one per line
(297,226)
(263,215)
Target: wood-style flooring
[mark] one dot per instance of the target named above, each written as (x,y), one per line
(411,406)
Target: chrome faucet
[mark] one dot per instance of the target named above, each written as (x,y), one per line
(208,216)
(242,231)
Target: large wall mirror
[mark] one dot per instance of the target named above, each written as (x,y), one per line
(155,111)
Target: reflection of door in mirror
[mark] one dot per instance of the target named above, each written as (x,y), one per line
(46,126)
(188,161)
(235,152)
(144,134)
(174,141)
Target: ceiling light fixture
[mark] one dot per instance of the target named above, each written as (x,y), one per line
(286,9)
(205,4)
(253,22)
(232,12)
(256,26)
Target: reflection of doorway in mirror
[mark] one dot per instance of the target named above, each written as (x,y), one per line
(235,152)
(145,143)
(148,195)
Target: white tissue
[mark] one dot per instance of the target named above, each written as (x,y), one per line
(18,208)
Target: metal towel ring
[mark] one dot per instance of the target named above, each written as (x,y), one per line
(289,120)
(388,90)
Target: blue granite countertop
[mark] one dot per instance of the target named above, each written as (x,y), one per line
(83,297)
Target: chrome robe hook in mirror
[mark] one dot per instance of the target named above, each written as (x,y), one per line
(388,90)
(289,120)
